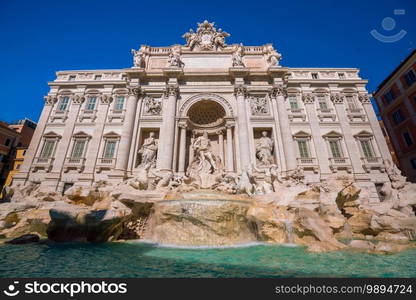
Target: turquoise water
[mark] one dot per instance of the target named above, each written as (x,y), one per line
(135,259)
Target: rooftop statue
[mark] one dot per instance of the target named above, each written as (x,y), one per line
(207,37)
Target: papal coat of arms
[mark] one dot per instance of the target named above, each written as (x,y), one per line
(207,37)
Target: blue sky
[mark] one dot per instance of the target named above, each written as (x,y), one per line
(39,38)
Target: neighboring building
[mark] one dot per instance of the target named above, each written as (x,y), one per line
(9,140)
(396,99)
(16,164)
(103,124)
(13,138)
(389,144)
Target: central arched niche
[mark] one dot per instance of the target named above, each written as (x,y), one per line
(206,114)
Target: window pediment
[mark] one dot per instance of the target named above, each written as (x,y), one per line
(364,134)
(332,134)
(111,134)
(52,134)
(301,134)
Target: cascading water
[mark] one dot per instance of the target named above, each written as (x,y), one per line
(289,231)
(201,218)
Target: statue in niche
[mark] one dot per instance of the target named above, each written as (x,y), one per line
(137,58)
(264,149)
(152,106)
(202,148)
(259,106)
(206,170)
(237,58)
(148,151)
(174,59)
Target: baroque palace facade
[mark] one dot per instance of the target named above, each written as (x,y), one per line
(206,107)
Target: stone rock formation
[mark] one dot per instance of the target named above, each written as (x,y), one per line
(168,209)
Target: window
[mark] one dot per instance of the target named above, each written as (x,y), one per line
(314,75)
(110,149)
(47,149)
(398,116)
(63,104)
(413,162)
(367,148)
(91,103)
(303,148)
(119,104)
(97,77)
(293,101)
(407,136)
(350,102)
(7,142)
(410,77)
(389,96)
(322,103)
(341,75)
(335,148)
(78,149)
(72,77)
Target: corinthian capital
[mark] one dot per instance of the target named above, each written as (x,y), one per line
(337,98)
(278,90)
(240,90)
(172,90)
(134,90)
(77,99)
(364,98)
(308,98)
(50,100)
(105,99)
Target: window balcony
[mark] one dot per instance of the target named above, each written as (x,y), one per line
(42,163)
(326,113)
(356,110)
(308,163)
(296,113)
(59,114)
(88,114)
(116,114)
(373,163)
(72,163)
(340,163)
(105,163)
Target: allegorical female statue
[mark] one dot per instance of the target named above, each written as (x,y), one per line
(264,149)
(148,151)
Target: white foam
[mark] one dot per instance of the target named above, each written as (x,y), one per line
(244,245)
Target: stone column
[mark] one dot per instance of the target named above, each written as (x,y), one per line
(182,149)
(221,145)
(318,141)
(378,134)
(127,131)
(191,150)
(63,145)
(243,137)
(36,140)
(230,157)
(278,94)
(165,152)
(350,141)
(97,137)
